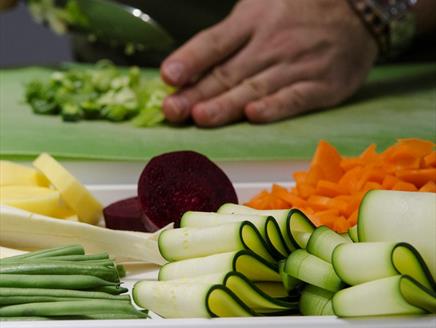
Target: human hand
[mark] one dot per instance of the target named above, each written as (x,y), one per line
(269,60)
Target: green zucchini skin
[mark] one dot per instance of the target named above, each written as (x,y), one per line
(298,229)
(352,233)
(362,262)
(418,295)
(267,226)
(289,282)
(400,216)
(312,270)
(373,298)
(323,241)
(216,295)
(252,266)
(173,300)
(316,301)
(275,239)
(264,304)
(191,242)
(281,217)
(238,307)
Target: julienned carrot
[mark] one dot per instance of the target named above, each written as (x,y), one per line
(404,186)
(331,190)
(328,160)
(430,160)
(428,187)
(418,177)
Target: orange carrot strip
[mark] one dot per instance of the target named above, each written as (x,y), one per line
(389,181)
(329,160)
(340,224)
(329,189)
(277,203)
(313,175)
(369,155)
(428,187)
(299,177)
(404,186)
(430,160)
(326,217)
(350,163)
(291,199)
(375,174)
(319,202)
(256,201)
(370,185)
(406,153)
(417,177)
(405,161)
(352,219)
(307,210)
(305,190)
(350,179)
(417,147)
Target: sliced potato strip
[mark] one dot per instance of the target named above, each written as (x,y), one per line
(16,174)
(34,199)
(75,195)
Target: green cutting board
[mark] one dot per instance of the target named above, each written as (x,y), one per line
(396,102)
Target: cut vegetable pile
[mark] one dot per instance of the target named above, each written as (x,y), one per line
(100,92)
(330,192)
(33,199)
(169,185)
(245,262)
(223,259)
(63,283)
(47,189)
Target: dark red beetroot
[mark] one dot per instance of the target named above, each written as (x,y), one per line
(125,214)
(181,181)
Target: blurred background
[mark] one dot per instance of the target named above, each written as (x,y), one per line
(24,42)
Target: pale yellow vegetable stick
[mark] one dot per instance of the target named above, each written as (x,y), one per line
(34,199)
(75,195)
(8,252)
(16,174)
(24,230)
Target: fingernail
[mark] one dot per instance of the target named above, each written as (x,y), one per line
(174,71)
(206,114)
(259,107)
(212,112)
(179,105)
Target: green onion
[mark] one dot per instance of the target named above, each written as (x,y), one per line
(99,92)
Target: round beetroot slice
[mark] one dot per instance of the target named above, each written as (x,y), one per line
(125,214)
(181,181)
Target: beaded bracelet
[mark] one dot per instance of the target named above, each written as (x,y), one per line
(391,23)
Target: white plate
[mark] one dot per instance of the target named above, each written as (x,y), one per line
(109,193)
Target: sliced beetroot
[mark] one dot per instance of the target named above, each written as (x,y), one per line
(125,214)
(181,181)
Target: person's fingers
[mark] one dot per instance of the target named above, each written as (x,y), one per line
(176,109)
(229,106)
(290,101)
(204,50)
(224,77)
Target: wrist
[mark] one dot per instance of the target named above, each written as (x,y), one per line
(391,23)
